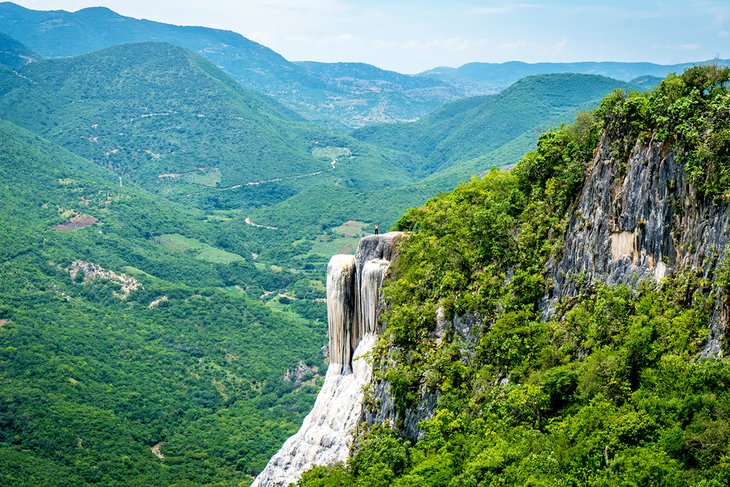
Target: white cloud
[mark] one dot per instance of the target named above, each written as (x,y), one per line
(455,43)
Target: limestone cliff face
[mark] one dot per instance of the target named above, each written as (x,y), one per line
(640,219)
(326,435)
(633,220)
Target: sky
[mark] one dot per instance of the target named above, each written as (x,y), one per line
(411,36)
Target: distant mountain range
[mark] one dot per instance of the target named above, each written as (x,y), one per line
(376,97)
(340,94)
(469,128)
(480,78)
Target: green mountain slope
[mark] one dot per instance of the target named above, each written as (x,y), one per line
(58,33)
(13,54)
(473,127)
(148,109)
(169,120)
(126,331)
(341,94)
(303,87)
(375,95)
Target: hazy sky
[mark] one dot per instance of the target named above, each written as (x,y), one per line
(411,36)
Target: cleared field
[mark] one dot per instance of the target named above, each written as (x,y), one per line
(328,245)
(209,177)
(180,244)
(331,152)
(351,228)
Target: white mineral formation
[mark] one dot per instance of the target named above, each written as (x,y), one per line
(373,273)
(326,435)
(341,310)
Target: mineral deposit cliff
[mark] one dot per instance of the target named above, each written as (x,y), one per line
(326,435)
(635,219)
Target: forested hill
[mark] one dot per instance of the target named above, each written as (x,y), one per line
(169,120)
(465,129)
(342,95)
(59,33)
(128,336)
(568,319)
(14,54)
(141,109)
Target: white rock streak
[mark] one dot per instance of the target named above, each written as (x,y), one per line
(326,435)
(341,310)
(373,273)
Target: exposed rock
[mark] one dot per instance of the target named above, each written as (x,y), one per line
(157,302)
(327,433)
(637,220)
(381,408)
(300,373)
(91,271)
(341,308)
(156,450)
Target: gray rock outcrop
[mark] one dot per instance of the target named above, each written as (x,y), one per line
(640,219)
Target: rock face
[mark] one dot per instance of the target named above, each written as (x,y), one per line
(326,435)
(640,219)
(341,308)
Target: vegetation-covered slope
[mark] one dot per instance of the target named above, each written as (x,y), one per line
(127,334)
(473,127)
(607,389)
(58,33)
(342,94)
(372,95)
(305,88)
(171,121)
(149,109)
(14,54)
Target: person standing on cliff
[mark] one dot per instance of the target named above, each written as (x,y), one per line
(376,229)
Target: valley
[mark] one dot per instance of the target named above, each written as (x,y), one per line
(171,196)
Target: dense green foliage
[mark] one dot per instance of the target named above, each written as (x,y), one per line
(690,112)
(227,208)
(174,123)
(192,359)
(608,390)
(148,109)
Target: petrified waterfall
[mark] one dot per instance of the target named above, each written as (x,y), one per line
(341,309)
(325,437)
